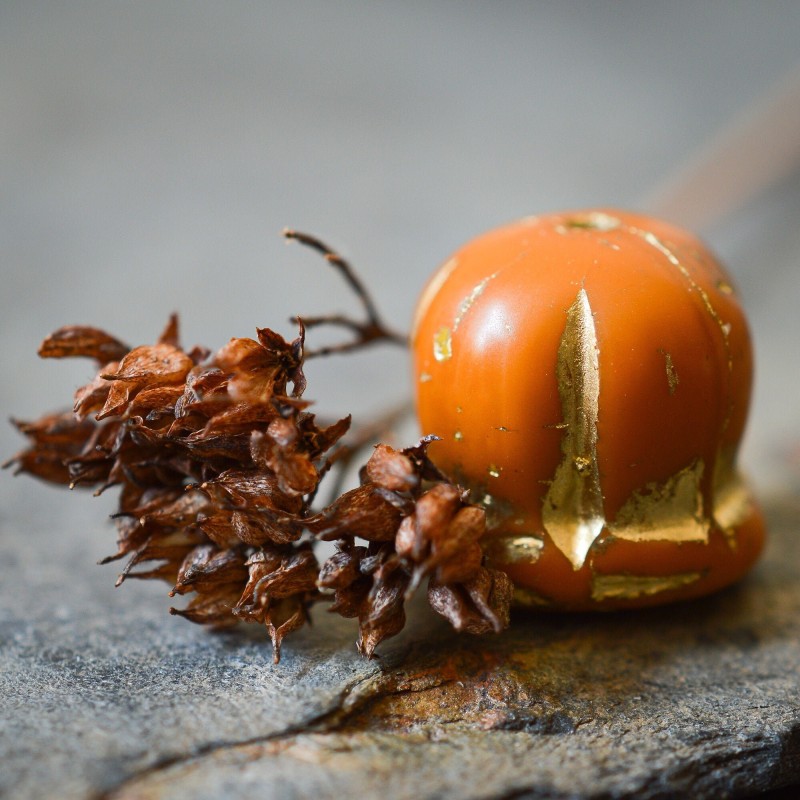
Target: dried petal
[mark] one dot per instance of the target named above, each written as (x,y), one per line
(250,489)
(491,592)
(238,417)
(426,469)
(286,616)
(457,553)
(384,613)
(409,541)
(81,340)
(218,528)
(320,441)
(339,571)
(376,557)
(260,565)
(225,447)
(159,398)
(179,512)
(171,333)
(170,547)
(365,512)
(56,430)
(460,566)
(436,508)
(349,601)
(214,608)
(294,471)
(201,382)
(296,574)
(262,527)
(273,343)
(205,566)
(116,401)
(94,394)
(256,372)
(478,606)
(391,469)
(55,439)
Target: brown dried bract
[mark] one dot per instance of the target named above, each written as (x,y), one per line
(478,605)
(81,340)
(416,529)
(217,462)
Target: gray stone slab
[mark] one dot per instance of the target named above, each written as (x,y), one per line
(697,700)
(102,693)
(97,684)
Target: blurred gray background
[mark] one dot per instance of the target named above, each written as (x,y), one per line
(151,153)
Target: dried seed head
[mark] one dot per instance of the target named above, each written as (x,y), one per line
(219,463)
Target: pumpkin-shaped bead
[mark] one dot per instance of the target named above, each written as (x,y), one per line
(589,375)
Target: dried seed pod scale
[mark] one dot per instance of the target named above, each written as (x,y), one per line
(589,375)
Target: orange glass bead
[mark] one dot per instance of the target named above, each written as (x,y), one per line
(589,375)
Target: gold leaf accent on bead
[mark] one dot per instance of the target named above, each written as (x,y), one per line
(672,374)
(593,221)
(725,287)
(665,250)
(628,587)
(725,327)
(733,505)
(514,549)
(469,301)
(573,507)
(442,344)
(733,502)
(671,511)
(527,598)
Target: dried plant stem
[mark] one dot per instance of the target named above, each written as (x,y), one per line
(369,332)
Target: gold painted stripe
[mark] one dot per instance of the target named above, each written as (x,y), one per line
(527,598)
(672,374)
(628,587)
(724,327)
(665,512)
(469,300)
(733,503)
(442,344)
(573,507)
(514,549)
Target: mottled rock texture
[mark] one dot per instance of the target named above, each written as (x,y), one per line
(104,695)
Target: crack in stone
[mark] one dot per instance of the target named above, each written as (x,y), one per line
(379,702)
(351,698)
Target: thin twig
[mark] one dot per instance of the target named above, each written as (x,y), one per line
(369,332)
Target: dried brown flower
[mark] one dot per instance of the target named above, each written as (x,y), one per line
(416,529)
(219,464)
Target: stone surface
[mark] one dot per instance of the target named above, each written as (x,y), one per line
(105,695)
